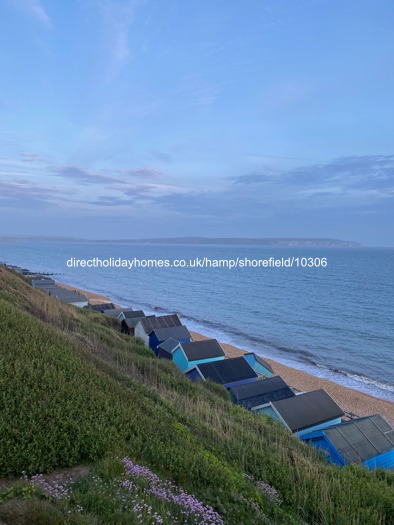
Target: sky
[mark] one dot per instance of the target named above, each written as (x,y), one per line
(161,118)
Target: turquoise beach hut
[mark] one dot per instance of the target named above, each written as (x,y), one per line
(261,367)
(166,349)
(187,355)
(305,412)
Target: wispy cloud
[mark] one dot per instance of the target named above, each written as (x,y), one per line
(35,9)
(197,91)
(33,157)
(117,16)
(79,174)
(24,190)
(357,173)
(84,175)
(145,173)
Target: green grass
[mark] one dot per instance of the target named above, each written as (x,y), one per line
(74,390)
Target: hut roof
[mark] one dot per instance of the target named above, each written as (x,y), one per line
(173,332)
(261,361)
(101,307)
(131,322)
(261,392)
(169,345)
(135,314)
(205,349)
(163,321)
(363,438)
(227,370)
(44,281)
(308,409)
(112,313)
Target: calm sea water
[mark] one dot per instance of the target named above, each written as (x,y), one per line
(335,322)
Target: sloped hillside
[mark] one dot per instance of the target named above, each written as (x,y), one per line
(73,390)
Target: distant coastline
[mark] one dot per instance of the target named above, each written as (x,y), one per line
(217,241)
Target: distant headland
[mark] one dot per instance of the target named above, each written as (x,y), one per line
(242,241)
(237,241)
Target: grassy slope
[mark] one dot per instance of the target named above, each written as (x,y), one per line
(74,390)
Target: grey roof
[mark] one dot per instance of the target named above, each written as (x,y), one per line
(42,282)
(69,296)
(164,321)
(169,345)
(134,314)
(112,313)
(227,370)
(101,307)
(174,332)
(309,409)
(261,392)
(361,439)
(202,349)
(131,322)
(63,294)
(261,361)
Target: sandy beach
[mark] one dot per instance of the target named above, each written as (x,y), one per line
(351,401)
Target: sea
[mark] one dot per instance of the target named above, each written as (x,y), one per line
(330,314)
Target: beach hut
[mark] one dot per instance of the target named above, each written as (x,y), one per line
(226,372)
(129,323)
(253,396)
(166,349)
(305,412)
(112,313)
(158,336)
(367,441)
(124,313)
(101,307)
(63,294)
(146,325)
(261,367)
(188,355)
(42,281)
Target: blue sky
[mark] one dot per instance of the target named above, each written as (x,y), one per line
(155,118)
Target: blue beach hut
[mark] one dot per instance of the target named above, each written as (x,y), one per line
(367,441)
(158,336)
(253,396)
(191,354)
(226,372)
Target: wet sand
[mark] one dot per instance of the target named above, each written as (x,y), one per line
(351,401)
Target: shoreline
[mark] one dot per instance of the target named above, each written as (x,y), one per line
(350,400)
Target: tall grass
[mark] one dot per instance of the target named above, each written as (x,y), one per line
(75,390)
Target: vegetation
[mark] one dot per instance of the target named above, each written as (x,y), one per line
(74,390)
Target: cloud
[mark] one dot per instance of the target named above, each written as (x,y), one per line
(143,173)
(78,173)
(23,190)
(162,156)
(84,176)
(117,17)
(33,157)
(197,92)
(371,174)
(348,184)
(35,9)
